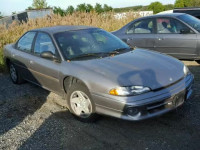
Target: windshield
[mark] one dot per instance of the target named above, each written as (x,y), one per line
(192,21)
(82,43)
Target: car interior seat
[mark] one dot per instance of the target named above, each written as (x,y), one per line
(164,28)
(143,28)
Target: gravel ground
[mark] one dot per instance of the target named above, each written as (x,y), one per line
(33,118)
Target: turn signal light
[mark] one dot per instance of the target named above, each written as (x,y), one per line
(113,92)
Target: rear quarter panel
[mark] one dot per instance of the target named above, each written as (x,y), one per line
(7,51)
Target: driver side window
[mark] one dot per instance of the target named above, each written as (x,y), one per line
(43,43)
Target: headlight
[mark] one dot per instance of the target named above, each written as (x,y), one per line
(186,70)
(127,91)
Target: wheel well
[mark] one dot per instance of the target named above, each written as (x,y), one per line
(69,80)
(7,61)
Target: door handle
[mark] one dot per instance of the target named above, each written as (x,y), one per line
(160,39)
(31,62)
(129,39)
(14,55)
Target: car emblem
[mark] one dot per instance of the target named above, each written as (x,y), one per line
(170,79)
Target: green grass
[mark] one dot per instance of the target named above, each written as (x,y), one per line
(2,63)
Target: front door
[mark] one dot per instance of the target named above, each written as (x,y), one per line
(175,38)
(46,72)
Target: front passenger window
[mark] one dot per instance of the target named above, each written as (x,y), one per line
(43,43)
(171,26)
(180,27)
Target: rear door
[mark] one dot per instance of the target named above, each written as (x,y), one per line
(175,38)
(46,72)
(141,34)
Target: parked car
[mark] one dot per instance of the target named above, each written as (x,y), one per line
(193,11)
(98,73)
(174,34)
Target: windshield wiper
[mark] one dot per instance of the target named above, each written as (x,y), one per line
(118,50)
(86,55)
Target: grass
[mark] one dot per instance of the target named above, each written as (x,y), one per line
(2,65)
(15,30)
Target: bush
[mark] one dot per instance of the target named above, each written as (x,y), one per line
(105,21)
(156,7)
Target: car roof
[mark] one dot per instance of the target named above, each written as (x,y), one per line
(56,29)
(187,8)
(164,15)
(170,15)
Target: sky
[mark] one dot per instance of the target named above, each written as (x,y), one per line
(9,6)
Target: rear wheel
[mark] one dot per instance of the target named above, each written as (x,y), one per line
(14,74)
(80,103)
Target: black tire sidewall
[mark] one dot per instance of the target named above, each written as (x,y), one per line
(198,61)
(19,79)
(15,82)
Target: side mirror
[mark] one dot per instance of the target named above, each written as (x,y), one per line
(49,55)
(185,31)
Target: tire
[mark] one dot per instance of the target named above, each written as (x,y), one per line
(15,75)
(80,103)
(198,61)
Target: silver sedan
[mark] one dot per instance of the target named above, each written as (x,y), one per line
(97,73)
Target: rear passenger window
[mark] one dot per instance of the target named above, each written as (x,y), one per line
(43,43)
(25,43)
(143,26)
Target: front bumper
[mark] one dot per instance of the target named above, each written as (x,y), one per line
(147,105)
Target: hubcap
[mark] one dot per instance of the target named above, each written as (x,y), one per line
(13,73)
(81,104)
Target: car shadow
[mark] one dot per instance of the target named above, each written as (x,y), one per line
(17,102)
(178,129)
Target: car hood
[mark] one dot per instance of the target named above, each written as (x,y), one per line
(138,67)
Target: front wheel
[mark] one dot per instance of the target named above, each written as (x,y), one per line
(198,61)
(80,103)
(14,74)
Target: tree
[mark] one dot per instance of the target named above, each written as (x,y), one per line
(39,4)
(187,3)
(89,8)
(98,8)
(107,8)
(30,8)
(194,3)
(70,10)
(14,13)
(58,10)
(156,7)
(179,4)
(81,7)
(1,16)
(169,7)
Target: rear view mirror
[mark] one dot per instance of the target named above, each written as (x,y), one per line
(185,31)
